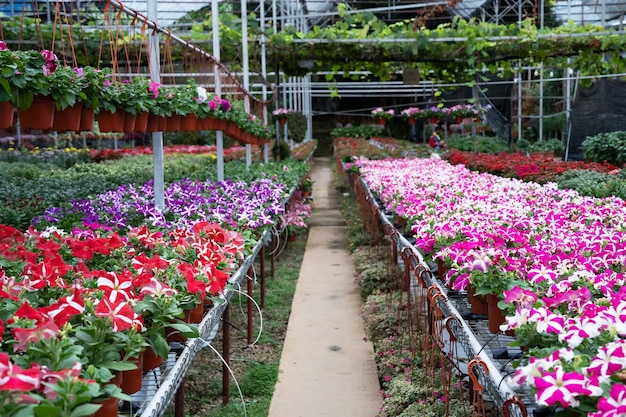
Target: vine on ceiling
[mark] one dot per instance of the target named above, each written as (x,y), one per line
(462,51)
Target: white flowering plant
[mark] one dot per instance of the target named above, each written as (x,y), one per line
(380,113)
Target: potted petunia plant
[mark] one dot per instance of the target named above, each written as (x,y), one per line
(25,81)
(381,116)
(411,114)
(281,115)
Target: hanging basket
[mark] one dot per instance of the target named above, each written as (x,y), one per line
(141,122)
(433,120)
(111,122)
(40,114)
(68,119)
(129,122)
(211,123)
(221,124)
(173,123)
(156,123)
(381,122)
(232,130)
(87,116)
(7,114)
(411,121)
(282,121)
(189,123)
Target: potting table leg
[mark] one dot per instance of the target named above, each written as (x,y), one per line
(250,305)
(179,400)
(262,277)
(226,355)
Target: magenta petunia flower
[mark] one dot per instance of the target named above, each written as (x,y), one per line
(614,405)
(610,359)
(560,388)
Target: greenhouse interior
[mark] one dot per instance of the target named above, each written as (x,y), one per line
(313,208)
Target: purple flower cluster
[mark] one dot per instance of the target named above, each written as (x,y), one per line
(232,204)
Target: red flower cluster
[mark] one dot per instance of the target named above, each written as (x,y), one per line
(518,165)
(52,283)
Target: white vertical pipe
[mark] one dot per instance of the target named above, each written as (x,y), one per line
(262,23)
(219,135)
(519,103)
(245,68)
(157,137)
(541,87)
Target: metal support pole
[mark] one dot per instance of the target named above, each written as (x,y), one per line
(541,87)
(264,74)
(519,103)
(157,137)
(245,69)
(273,257)
(219,135)
(226,355)
(250,289)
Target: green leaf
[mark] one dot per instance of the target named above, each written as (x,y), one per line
(84,410)
(120,366)
(46,410)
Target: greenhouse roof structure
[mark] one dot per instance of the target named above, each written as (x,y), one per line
(606,12)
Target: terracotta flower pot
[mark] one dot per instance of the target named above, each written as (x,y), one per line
(68,119)
(495,315)
(210,123)
(189,123)
(111,122)
(173,123)
(87,116)
(141,122)
(132,380)
(151,360)
(129,122)
(196,314)
(231,129)
(40,114)
(478,303)
(7,114)
(155,123)
(110,408)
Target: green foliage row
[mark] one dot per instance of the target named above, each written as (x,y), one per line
(29,189)
(609,147)
(364,131)
(45,159)
(487,144)
(550,145)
